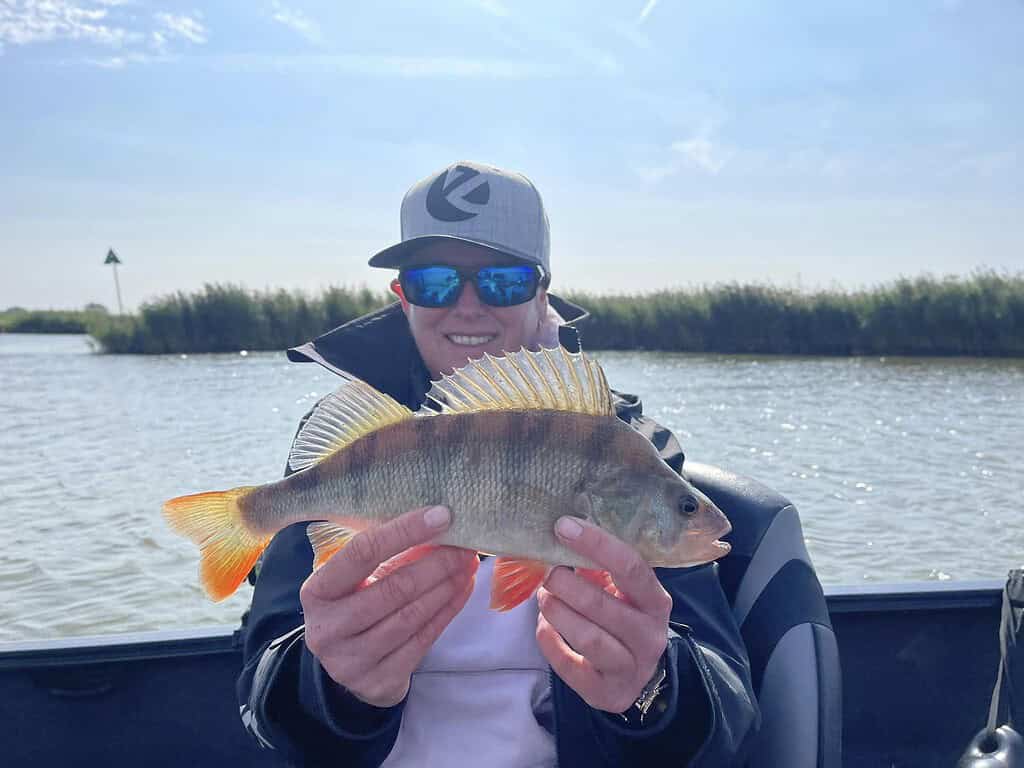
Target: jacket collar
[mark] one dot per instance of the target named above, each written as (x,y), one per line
(378,348)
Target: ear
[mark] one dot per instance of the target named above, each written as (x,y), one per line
(548,322)
(396,288)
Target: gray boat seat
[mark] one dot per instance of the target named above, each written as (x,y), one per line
(780,608)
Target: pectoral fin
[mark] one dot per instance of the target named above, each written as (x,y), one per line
(601,579)
(402,559)
(514,581)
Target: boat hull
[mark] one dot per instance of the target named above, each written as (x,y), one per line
(919,662)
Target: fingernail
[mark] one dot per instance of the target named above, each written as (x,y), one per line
(437,517)
(551,573)
(568,528)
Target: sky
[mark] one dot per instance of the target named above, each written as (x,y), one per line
(268,144)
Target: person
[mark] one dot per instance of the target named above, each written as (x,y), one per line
(414,669)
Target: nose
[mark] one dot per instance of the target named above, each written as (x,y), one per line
(469,303)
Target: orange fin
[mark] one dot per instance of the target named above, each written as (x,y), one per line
(601,579)
(407,557)
(514,581)
(214,521)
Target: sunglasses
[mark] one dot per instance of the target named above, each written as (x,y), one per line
(440,285)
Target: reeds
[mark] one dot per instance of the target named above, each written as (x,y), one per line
(18,320)
(982,314)
(979,315)
(228,318)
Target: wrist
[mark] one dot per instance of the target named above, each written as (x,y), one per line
(652,700)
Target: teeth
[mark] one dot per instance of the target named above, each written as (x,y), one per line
(469,341)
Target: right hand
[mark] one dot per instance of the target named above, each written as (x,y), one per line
(370,638)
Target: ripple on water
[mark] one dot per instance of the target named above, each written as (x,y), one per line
(105,439)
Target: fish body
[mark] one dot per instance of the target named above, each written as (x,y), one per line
(519,442)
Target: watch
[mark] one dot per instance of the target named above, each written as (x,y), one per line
(649,699)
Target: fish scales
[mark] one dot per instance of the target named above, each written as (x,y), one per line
(506,475)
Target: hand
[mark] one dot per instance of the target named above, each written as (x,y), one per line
(370,636)
(604,646)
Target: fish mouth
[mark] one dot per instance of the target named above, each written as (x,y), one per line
(720,529)
(470,340)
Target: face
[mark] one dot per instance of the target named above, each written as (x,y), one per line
(449,336)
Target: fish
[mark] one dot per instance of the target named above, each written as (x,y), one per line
(508,443)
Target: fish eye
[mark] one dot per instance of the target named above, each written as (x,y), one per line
(687,505)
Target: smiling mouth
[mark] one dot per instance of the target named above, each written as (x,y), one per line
(462,340)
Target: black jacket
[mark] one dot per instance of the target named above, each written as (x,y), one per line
(289,703)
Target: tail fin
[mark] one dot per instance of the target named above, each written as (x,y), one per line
(214,522)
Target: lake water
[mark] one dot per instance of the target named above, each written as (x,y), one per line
(902,469)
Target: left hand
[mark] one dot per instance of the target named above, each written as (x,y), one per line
(605,647)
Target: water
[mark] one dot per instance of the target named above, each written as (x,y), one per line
(903,469)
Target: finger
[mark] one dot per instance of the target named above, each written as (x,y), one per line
(368,648)
(577,672)
(400,663)
(406,586)
(594,643)
(642,635)
(365,551)
(630,572)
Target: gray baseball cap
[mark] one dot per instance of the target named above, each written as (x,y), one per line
(478,204)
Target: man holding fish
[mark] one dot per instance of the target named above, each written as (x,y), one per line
(419,620)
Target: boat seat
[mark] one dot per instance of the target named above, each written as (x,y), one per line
(780,608)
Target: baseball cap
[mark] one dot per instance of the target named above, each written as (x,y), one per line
(475,203)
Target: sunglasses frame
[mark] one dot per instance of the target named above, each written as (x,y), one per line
(467,275)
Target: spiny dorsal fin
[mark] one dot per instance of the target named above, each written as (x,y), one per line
(551,379)
(353,410)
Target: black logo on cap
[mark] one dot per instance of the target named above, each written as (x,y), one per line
(439,204)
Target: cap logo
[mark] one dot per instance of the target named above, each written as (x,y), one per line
(440,194)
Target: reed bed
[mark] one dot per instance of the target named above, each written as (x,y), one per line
(18,320)
(978,315)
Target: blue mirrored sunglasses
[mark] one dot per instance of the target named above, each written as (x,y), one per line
(438,285)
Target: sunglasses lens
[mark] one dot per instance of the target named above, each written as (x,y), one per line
(506,286)
(431,286)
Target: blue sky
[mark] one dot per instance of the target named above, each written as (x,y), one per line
(675,143)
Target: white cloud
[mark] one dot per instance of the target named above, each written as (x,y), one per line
(990,164)
(386,66)
(123,60)
(183,26)
(38,21)
(98,23)
(493,7)
(297,21)
(701,153)
(646,11)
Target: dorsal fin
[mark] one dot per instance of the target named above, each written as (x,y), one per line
(353,410)
(551,379)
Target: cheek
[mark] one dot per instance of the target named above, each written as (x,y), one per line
(522,326)
(423,320)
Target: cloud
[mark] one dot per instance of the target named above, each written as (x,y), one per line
(183,26)
(646,11)
(297,21)
(123,60)
(39,21)
(701,153)
(493,7)
(386,66)
(698,153)
(99,23)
